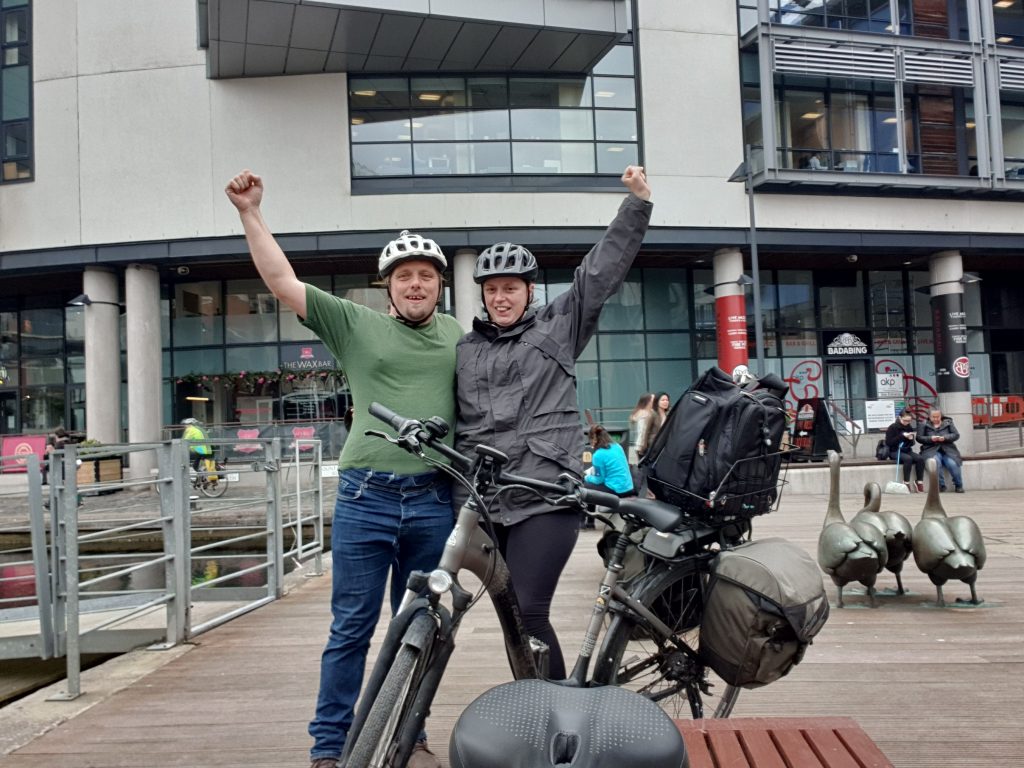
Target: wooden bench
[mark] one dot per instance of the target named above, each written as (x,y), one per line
(780,742)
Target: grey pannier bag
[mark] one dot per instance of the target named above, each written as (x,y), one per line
(766,601)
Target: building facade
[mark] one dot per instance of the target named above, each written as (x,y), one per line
(837,189)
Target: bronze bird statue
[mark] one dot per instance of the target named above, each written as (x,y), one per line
(895,528)
(847,551)
(947,548)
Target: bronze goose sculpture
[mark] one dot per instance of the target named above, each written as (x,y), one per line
(895,528)
(947,548)
(846,551)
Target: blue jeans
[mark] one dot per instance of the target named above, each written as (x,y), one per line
(954,470)
(382,523)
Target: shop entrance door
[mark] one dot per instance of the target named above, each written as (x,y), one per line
(848,391)
(8,413)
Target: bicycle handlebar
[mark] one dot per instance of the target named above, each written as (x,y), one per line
(412,432)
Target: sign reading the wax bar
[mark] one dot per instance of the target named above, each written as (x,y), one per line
(949,326)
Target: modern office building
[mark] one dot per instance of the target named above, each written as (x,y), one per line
(837,189)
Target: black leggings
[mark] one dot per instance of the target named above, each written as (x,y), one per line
(910,459)
(536,551)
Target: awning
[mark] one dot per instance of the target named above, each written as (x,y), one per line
(260,38)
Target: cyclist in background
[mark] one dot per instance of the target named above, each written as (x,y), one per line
(517,392)
(198,448)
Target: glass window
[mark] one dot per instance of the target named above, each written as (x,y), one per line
(663,346)
(251,312)
(615,125)
(550,92)
(42,409)
(476,158)
(613,158)
(378,92)
(621,346)
(8,336)
(618,61)
(672,376)
(487,92)
(76,369)
(841,297)
(552,157)
(37,371)
(188,361)
(621,384)
(251,359)
(42,332)
(614,92)
(624,310)
(566,124)
(666,304)
(383,125)
(358,288)
(886,296)
(1013,138)
(438,92)
(381,160)
(796,299)
(197,314)
(15,89)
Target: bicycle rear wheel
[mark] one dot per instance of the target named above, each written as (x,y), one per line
(391,718)
(213,488)
(631,655)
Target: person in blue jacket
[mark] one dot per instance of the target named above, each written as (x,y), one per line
(611,469)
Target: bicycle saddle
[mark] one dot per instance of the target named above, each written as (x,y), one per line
(539,724)
(655,514)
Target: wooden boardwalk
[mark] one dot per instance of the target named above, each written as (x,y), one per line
(932,687)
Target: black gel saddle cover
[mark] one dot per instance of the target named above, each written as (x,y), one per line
(538,724)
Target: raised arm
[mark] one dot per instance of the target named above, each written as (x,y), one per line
(245,191)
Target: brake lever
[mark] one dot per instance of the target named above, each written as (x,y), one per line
(407,442)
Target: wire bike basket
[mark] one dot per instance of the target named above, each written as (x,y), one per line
(751,487)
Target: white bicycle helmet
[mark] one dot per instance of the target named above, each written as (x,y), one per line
(407,247)
(505,260)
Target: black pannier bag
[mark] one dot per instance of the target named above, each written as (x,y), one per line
(718,452)
(765,603)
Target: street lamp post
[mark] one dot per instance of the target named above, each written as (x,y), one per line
(745,173)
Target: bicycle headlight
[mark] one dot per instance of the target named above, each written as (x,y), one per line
(440,581)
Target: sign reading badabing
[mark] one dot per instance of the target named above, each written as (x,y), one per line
(847,344)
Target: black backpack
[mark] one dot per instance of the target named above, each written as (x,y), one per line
(717,453)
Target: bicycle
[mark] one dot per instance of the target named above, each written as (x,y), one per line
(656,621)
(209,479)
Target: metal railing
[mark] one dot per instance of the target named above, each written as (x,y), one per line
(126,562)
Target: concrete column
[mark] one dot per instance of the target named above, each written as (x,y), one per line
(945,269)
(102,356)
(730,309)
(145,363)
(466,293)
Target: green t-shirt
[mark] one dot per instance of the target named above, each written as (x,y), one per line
(410,370)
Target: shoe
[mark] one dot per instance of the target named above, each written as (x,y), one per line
(942,489)
(958,490)
(422,757)
(910,487)
(324,762)
(920,487)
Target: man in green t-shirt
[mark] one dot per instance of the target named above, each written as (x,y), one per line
(390,515)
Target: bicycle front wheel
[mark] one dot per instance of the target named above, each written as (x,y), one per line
(634,656)
(213,488)
(391,717)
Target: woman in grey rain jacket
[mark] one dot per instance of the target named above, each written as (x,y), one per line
(517,393)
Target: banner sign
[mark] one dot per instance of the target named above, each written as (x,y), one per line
(845,344)
(21,446)
(889,385)
(949,326)
(307,356)
(731,329)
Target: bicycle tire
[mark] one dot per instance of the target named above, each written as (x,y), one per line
(387,719)
(213,489)
(629,656)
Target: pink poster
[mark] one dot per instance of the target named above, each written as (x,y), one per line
(20,446)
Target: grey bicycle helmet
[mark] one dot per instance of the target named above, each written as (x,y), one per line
(409,247)
(505,260)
